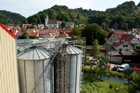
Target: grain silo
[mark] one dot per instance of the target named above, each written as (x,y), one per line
(67,70)
(31,66)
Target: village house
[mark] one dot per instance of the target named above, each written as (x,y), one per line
(114,35)
(51,23)
(71,24)
(32,32)
(40,26)
(18,34)
(121,45)
(26,25)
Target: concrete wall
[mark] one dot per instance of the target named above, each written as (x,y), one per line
(8,63)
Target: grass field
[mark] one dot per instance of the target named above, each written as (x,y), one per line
(94,85)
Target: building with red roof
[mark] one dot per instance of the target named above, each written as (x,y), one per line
(114,35)
(18,34)
(26,25)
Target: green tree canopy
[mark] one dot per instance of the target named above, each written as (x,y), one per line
(94,31)
(76,31)
(95,52)
(63,24)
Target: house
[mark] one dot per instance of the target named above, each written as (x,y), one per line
(45,32)
(121,45)
(66,31)
(51,23)
(59,22)
(114,35)
(40,26)
(130,38)
(32,32)
(18,34)
(14,30)
(71,24)
(8,62)
(26,25)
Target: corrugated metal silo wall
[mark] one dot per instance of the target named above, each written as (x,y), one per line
(75,73)
(30,72)
(73,68)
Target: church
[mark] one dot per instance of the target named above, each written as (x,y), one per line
(51,23)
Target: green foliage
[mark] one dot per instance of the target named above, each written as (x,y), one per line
(68,28)
(31,27)
(95,49)
(63,24)
(94,31)
(23,29)
(135,83)
(45,27)
(24,35)
(76,31)
(7,17)
(92,84)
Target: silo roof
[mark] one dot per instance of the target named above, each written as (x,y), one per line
(73,50)
(35,54)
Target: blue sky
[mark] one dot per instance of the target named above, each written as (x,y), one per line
(30,7)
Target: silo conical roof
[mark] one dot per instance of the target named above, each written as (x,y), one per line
(73,50)
(35,54)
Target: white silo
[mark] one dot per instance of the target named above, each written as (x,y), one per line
(68,66)
(31,66)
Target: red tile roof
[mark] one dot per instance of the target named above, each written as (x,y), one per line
(25,25)
(46,31)
(135,30)
(30,30)
(3,27)
(59,22)
(19,33)
(14,30)
(119,33)
(66,31)
(34,34)
(124,36)
(118,43)
(129,38)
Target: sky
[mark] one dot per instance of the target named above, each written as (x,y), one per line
(29,7)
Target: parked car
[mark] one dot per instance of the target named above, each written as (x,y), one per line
(115,68)
(123,67)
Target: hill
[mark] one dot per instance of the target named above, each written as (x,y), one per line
(7,17)
(60,13)
(125,16)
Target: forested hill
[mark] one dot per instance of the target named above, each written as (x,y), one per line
(124,16)
(7,17)
(78,16)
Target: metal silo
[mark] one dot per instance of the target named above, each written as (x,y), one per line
(67,70)
(31,66)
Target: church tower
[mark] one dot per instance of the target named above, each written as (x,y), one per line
(46,21)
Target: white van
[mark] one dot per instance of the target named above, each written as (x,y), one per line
(123,67)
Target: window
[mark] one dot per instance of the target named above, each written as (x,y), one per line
(126,45)
(123,45)
(127,50)
(120,49)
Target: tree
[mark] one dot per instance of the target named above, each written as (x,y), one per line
(24,30)
(105,27)
(94,31)
(24,35)
(63,24)
(135,83)
(76,31)
(95,49)
(68,28)
(102,66)
(45,27)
